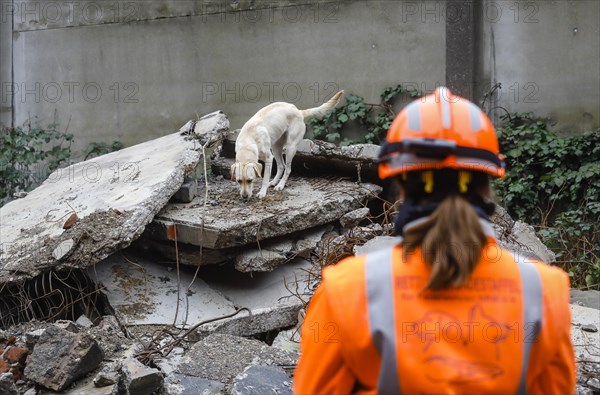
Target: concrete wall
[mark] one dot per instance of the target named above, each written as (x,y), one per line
(135,70)
(6,29)
(546,55)
(138,79)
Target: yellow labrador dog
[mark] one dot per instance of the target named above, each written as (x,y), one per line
(275,127)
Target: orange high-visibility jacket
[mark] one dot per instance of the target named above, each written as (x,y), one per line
(370,328)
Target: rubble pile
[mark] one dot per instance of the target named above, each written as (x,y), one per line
(155,277)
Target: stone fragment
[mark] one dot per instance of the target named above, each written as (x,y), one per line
(84,322)
(67,325)
(353,218)
(61,357)
(7,384)
(589,328)
(186,193)
(260,380)
(139,379)
(104,379)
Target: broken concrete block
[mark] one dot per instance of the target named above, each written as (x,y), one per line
(229,221)
(260,380)
(222,357)
(186,193)
(353,218)
(139,379)
(519,236)
(275,298)
(7,384)
(114,195)
(61,357)
(146,293)
(262,260)
(182,384)
(104,379)
(288,340)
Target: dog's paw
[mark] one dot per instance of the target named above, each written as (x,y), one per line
(279,187)
(262,194)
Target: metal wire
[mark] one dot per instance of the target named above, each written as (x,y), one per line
(51,296)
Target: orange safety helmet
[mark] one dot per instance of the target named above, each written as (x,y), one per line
(439,131)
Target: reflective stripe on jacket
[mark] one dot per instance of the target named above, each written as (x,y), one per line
(371,329)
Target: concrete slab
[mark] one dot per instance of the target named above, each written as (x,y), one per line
(143,292)
(114,196)
(229,221)
(275,298)
(271,254)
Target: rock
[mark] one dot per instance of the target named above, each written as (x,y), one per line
(181,384)
(221,357)
(67,325)
(7,384)
(61,357)
(288,340)
(519,236)
(261,380)
(590,298)
(353,218)
(139,379)
(32,337)
(594,383)
(186,193)
(84,322)
(104,379)
(589,328)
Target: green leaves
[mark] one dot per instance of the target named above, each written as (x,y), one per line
(373,119)
(554,182)
(29,155)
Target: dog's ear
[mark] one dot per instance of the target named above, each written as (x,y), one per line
(233,171)
(258,170)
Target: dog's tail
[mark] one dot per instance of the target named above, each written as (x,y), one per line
(318,112)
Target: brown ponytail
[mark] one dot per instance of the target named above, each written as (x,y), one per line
(451,238)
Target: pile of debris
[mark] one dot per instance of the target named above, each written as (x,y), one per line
(143,271)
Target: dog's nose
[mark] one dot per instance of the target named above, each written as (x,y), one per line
(245,196)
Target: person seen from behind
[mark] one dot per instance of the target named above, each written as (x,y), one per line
(446,310)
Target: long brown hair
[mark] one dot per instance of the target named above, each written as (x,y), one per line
(451,238)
